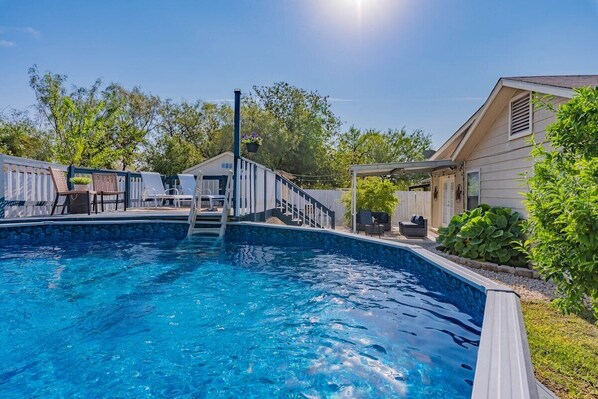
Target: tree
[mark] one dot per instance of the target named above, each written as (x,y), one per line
(372,146)
(134,117)
(77,120)
(563,203)
(299,126)
(372,194)
(20,137)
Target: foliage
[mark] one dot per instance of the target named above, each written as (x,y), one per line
(564,350)
(170,155)
(373,146)
(487,234)
(298,128)
(114,127)
(78,120)
(19,136)
(372,194)
(252,138)
(563,203)
(80,180)
(134,116)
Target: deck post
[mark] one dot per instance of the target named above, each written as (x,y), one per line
(265,195)
(70,173)
(354,201)
(237,149)
(2,186)
(127,189)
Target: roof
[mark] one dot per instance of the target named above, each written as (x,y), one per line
(224,154)
(556,85)
(567,81)
(395,168)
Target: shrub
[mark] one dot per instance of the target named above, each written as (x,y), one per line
(80,180)
(563,203)
(485,233)
(373,194)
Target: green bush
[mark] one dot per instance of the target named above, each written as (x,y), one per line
(80,180)
(563,203)
(487,234)
(373,194)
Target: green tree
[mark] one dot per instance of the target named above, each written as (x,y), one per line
(20,137)
(373,194)
(563,203)
(135,115)
(299,126)
(78,121)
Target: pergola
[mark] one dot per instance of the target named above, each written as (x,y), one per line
(390,169)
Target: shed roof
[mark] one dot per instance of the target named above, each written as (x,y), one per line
(397,168)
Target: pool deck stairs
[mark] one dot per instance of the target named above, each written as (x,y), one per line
(209,224)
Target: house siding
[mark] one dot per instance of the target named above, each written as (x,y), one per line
(504,163)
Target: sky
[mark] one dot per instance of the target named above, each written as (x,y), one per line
(422,64)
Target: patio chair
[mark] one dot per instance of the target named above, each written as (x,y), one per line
(187,183)
(62,190)
(364,218)
(416,227)
(106,184)
(153,189)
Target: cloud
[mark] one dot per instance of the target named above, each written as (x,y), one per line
(31,31)
(6,43)
(15,31)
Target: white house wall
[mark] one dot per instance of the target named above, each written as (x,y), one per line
(503,163)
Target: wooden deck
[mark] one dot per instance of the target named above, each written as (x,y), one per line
(158,213)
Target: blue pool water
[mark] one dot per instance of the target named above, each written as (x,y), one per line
(185,319)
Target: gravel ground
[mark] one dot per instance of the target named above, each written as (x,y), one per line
(529,289)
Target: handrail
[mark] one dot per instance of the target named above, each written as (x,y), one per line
(311,220)
(301,191)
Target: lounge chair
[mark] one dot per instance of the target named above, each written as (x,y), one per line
(106,184)
(62,189)
(416,227)
(153,189)
(187,183)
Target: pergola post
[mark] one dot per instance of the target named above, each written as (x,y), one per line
(354,200)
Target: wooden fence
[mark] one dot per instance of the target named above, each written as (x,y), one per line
(410,203)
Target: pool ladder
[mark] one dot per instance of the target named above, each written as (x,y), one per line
(209,226)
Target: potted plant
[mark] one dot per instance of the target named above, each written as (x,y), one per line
(81,183)
(252,142)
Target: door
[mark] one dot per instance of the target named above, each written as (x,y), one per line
(448,199)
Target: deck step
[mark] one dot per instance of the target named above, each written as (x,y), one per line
(207,230)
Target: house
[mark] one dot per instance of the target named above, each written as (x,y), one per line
(490,153)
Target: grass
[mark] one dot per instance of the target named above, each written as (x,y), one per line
(564,350)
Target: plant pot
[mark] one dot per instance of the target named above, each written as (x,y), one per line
(81,187)
(252,147)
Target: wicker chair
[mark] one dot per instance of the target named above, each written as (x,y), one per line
(106,184)
(62,189)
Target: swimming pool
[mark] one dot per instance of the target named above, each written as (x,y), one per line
(265,314)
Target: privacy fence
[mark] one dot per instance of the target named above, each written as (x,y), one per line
(410,203)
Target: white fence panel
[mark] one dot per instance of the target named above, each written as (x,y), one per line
(410,203)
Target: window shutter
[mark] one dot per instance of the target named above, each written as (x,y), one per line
(520,115)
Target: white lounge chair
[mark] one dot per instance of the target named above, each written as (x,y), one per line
(153,189)
(187,183)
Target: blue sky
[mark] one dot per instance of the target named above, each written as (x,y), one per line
(425,64)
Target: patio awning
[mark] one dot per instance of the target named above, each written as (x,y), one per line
(399,168)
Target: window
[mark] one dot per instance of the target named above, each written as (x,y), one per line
(473,189)
(520,115)
(226,165)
